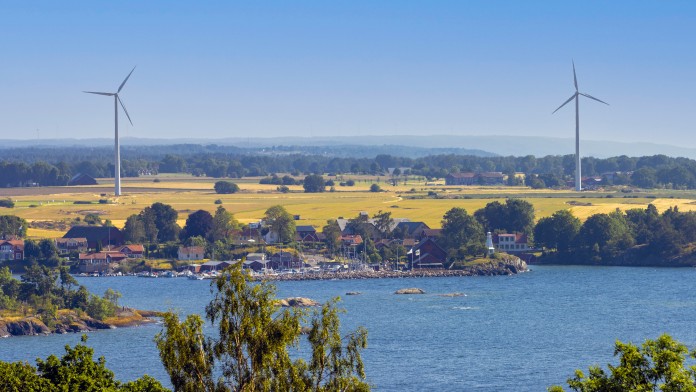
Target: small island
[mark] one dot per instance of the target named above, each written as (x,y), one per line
(49,300)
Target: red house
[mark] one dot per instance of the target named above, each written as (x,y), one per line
(11,250)
(427,255)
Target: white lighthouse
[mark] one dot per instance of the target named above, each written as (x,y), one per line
(489,243)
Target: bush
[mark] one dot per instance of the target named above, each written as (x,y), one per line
(375,188)
(156,180)
(82,202)
(226,187)
(283,189)
(8,203)
(218,201)
(350,183)
(103,201)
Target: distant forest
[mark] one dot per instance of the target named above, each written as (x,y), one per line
(56,165)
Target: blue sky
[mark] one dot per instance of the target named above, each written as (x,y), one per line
(303,68)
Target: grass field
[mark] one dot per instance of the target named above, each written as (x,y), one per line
(410,200)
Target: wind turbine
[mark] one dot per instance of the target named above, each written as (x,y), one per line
(117,152)
(576,97)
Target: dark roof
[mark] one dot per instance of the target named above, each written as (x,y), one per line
(82,179)
(410,226)
(95,233)
(305,228)
(462,175)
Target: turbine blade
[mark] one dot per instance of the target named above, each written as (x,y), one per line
(94,92)
(564,103)
(124,109)
(591,97)
(125,80)
(575,78)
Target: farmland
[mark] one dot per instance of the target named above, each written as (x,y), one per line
(414,199)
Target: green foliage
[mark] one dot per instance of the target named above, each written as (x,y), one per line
(251,349)
(281,223)
(134,230)
(159,221)
(656,365)
(557,231)
(198,224)
(75,371)
(375,188)
(11,225)
(515,216)
(92,219)
(226,187)
(314,183)
(462,235)
(7,203)
(224,225)
(101,308)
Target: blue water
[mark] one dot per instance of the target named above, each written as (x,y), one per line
(511,333)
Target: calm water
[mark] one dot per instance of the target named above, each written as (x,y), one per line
(517,333)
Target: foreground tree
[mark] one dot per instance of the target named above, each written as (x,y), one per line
(656,365)
(251,349)
(75,371)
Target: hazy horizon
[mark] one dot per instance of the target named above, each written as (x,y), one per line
(314,69)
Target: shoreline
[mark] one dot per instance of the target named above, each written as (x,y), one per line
(494,268)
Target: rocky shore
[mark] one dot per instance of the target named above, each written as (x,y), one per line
(494,268)
(68,321)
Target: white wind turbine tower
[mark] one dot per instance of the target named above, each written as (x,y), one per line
(576,97)
(117,153)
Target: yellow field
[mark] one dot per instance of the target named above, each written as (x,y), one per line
(188,194)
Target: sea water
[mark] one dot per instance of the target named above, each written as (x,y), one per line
(507,333)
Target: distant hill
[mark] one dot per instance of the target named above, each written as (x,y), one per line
(403,145)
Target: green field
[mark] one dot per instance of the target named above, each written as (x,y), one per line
(410,200)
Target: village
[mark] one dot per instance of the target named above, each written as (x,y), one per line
(402,245)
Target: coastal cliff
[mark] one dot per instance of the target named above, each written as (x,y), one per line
(71,321)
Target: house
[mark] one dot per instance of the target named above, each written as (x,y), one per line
(427,255)
(282,260)
(215,265)
(430,233)
(254,265)
(409,229)
(12,249)
(82,179)
(101,236)
(68,245)
(366,226)
(511,243)
(350,240)
(491,178)
(460,179)
(306,234)
(132,251)
(191,253)
(484,178)
(251,234)
(99,262)
(256,256)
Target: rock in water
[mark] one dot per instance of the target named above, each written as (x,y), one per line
(297,301)
(353,293)
(411,290)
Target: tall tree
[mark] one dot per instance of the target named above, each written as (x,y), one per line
(280,223)
(224,225)
(164,218)
(462,235)
(557,231)
(251,348)
(314,183)
(383,223)
(198,224)
(134,230)
(332,232)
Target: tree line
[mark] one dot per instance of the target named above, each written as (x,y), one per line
(56,166)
